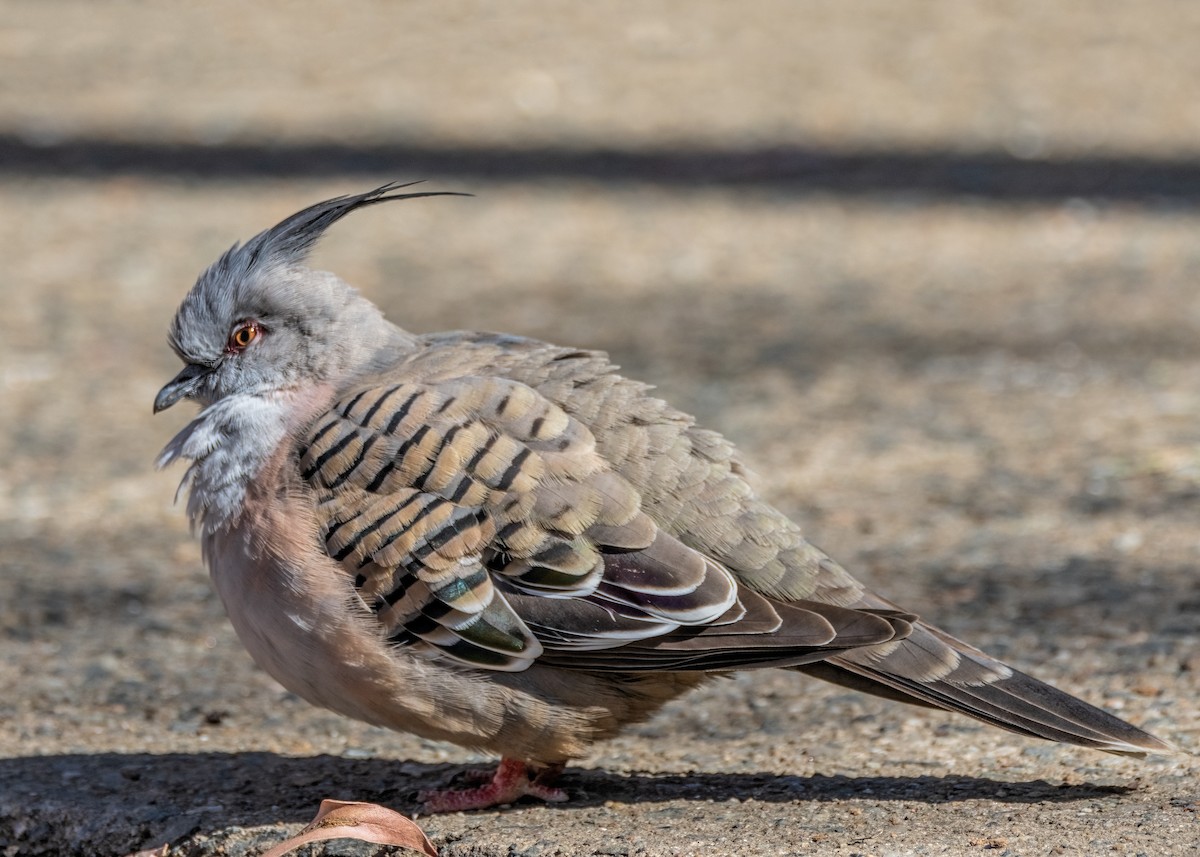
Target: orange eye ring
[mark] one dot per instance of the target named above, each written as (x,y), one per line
(242,336)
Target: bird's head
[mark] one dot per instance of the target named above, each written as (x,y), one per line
(258,320)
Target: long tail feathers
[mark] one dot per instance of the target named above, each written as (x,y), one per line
(967,681)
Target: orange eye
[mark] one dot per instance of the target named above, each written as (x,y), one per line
(243,335)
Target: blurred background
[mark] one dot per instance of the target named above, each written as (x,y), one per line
(932,265)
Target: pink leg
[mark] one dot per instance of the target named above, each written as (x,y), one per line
(511,782)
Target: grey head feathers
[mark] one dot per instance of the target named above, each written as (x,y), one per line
(313,324)
(244,270)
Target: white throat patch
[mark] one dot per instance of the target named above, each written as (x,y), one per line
(228,444)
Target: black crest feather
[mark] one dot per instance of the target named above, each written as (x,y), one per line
(292,239)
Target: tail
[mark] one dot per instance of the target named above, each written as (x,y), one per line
(934,669)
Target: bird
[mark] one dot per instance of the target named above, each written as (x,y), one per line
(490,540)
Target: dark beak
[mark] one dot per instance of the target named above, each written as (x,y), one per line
(180,387)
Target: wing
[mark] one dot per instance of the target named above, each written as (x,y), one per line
(482,523)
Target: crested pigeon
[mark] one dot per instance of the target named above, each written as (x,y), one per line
(502,543)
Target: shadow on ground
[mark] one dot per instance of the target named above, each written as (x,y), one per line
(113,803)
(790,169)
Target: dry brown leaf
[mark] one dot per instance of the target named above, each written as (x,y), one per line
(368,822)
(161,851)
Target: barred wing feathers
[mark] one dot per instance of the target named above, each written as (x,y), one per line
(481,523)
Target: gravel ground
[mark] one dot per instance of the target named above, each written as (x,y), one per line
(932,266)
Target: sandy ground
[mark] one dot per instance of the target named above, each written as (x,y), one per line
(934,268)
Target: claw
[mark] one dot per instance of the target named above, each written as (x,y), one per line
(510,783)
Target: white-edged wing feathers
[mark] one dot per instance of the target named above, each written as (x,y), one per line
(481,524)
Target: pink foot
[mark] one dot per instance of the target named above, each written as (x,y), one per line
(510,783)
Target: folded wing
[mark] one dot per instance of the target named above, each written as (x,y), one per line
(481,525)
